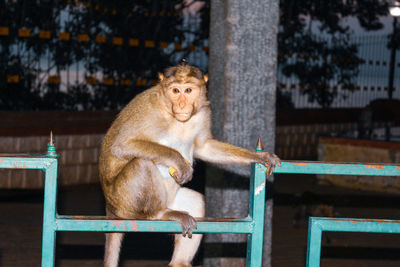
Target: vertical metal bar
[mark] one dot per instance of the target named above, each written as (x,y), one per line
(257,199)
(250,245)
(49,215)
(314,244)
(256,212)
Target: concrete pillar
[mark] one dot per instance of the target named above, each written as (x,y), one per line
(242,91)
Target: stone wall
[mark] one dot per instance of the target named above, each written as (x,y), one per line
(353,150)
(77,163)
(300,142)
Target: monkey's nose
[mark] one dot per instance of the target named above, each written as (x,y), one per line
(182,104)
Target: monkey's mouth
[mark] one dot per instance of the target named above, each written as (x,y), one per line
(183,116)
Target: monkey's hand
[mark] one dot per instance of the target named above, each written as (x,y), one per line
(269,160)
(187,222)
(182,173)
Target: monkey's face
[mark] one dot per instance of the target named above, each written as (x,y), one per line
(184,98)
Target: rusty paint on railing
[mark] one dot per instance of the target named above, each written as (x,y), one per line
(378,167)
(300,164)
(134,226)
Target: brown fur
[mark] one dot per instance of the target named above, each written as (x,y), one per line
(165,126)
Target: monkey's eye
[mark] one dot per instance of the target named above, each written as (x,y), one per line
(188,90)
(175,90)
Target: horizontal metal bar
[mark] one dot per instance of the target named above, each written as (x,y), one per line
(16,161)
(26,162)
(356,225)
(338,168)
(99,224)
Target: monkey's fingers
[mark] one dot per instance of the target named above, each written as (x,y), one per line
(190,232)
(193,226)
(187,231)
(276,159)
(184,229)
(273,159)
(270,167)
(270,170)
(188,227)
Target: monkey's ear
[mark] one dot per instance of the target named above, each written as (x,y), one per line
(161,76)
(205,78)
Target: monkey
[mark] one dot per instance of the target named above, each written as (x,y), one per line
(148,152)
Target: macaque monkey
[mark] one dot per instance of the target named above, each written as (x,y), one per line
(148,152)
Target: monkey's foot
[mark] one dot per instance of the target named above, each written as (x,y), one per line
(187,222)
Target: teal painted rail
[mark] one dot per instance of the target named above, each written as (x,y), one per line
(252,225)
(318,225)
(338,168)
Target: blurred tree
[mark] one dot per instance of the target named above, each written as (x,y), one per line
(104,42)
(19,21)
(121,21)
(318,61)
(331,58)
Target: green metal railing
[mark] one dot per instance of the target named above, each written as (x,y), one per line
(318,225)
(252,225)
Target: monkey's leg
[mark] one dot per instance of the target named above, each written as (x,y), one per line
(134,194)
(112,249)
(185,248)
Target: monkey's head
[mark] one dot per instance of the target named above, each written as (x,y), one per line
(184,88)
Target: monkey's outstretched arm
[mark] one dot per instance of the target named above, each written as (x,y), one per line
(158,153)
(223,153)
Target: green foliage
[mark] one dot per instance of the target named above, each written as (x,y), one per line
(319,61)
